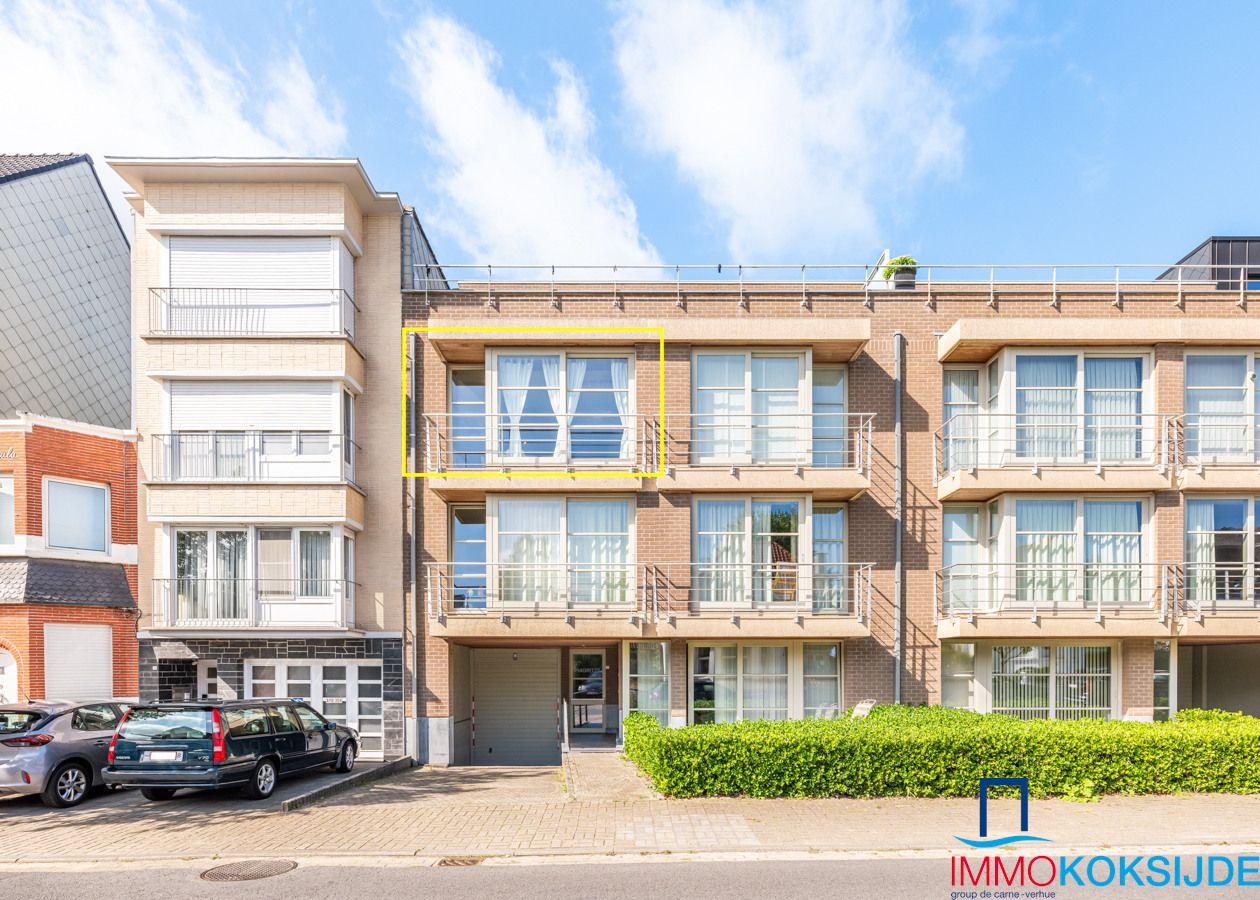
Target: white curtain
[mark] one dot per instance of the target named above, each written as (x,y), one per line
(720,423)
(765,682)
(961,407)
(529,558)
(315,563)
(1113,552)
(621,396)
(599,551)
(776,409)
(720,559)
(514,373)
(1201,550)
(1045,406)
(1216,421)
(1113,406)
(649,679)
(822,680)
(551,378)
(580,444)
(1045,534)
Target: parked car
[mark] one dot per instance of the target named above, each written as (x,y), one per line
(247,744)
(56,748)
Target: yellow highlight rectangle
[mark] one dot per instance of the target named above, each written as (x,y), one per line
(660,333)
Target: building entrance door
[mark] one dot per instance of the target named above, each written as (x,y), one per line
(586,690)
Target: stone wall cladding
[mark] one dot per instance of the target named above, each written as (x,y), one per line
(663,528)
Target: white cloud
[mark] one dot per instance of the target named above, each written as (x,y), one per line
(800,125)
(514,185)
(132,78)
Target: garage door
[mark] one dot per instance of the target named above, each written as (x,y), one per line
(78,662)
(514,703)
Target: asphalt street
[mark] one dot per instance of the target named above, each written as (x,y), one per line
(781,880)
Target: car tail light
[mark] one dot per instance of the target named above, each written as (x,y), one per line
(113,742)
(30,740)
(220,748)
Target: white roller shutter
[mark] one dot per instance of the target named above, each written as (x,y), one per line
(252,405)
(251,262)
(514,707)
(78,662)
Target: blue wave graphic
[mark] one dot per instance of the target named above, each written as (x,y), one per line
(998,842)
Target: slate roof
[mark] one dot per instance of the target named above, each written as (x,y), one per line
(59,581)
(15,165)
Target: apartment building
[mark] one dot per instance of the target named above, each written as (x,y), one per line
(1031,491)
(67,560)
(266,311)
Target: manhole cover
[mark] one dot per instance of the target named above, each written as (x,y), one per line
(249,870)
(459,861)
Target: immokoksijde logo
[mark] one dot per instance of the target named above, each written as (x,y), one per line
(986,842)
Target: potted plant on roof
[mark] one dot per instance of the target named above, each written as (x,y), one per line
(902,271)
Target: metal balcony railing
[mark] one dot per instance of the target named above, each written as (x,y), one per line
(502,442)
(651,592)
(252,456)
(971,441)
(252,602)
(1219,438)
(1212,587)
(730,589)
(785,439)
(250,311)
(1054,589)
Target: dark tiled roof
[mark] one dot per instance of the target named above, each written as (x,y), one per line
(58,581)
(15,165)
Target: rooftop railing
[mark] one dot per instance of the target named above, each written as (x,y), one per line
(250,311)
(986,440)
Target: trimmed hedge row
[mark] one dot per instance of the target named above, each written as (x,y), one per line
(900,751)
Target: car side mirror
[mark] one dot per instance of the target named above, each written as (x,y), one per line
(330,726)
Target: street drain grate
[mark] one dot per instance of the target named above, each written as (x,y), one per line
(249,870)
(460,861)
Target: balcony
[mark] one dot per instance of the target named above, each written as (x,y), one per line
(980,455)
(467,454)
(251,312)
(252,457)
(1220,451)
(828,454)
(786,598)
(1054,599)
(245,603)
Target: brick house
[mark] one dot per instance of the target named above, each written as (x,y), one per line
(67,560)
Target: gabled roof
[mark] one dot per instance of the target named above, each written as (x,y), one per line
(63,582)
(19,165)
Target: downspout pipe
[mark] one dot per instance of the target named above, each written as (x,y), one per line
(413,751)
(898,513)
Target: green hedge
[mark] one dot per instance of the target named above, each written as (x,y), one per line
(900,751)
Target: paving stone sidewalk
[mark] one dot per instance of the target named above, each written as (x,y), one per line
(458,812)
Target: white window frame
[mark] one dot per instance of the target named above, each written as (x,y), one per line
(983,689)
(452,412)
(562,455)
(795,672)
(804,399)
(316,700)
(492,542)
(1001,438)
(627,676)
(1250,420)
(48,517)
(1248,594)
(8,488)
(336,534)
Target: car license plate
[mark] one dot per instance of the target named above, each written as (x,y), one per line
(164,756)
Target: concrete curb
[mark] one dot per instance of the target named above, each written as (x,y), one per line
(324,791)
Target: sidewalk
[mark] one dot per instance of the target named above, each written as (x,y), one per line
(477,812)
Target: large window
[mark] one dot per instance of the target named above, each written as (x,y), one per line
(1219,551)
(211,569)
(958,674)
(560,406)
(1219,404)
(733,682)
(7,507)
(753,407)
(1063,682)
(648,677)
(468,557)
(76,515)
(468,418)
(549,548)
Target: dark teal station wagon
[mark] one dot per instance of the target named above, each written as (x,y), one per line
(247,744)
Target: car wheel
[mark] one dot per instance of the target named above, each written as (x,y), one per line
(157,793)
(263,782)
(68,785)
(345,759)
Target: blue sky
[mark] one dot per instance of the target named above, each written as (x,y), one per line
(690,131)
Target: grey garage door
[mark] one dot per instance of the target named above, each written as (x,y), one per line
(514,703)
